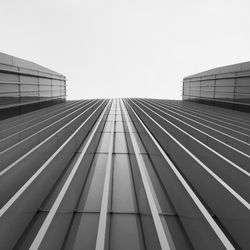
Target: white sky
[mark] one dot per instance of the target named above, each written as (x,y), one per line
(126,48)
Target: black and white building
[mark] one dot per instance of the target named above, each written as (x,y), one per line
(124,174)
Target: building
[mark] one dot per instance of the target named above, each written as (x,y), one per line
(25,85)
(227,86)
(125,174)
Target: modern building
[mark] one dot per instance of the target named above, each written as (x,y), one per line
(125,174)
(25,85)
(227,86)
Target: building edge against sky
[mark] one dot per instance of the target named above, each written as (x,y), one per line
(26,86)
(227,86)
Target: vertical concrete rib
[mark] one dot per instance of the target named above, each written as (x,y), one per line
(41,234)
(125,174)
(37,186)
(102,226)
(215,176)
(194,197)
(180,126)
(165,243)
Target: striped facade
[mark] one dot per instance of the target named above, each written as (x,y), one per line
(125,174)
(25,85)
(227,86)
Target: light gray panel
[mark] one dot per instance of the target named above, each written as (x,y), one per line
(120,143)
(6,88)
(103,146)
(28,79)
(94,195)
(123,190)
(44,87)
(8,77)
(125,233)
(29,87)
(83,232)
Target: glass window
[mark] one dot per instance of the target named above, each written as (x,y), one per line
(95,184)
(195,87)
(45,81)
(195,84)
(119,127)
(28,79)
(56,87)
(208,94)
(242,89)
(103,146)
(186,91)
(125,234)
(225,82)
(242,98)
(45,93)
(28,87)
(224,95)
(83,224)
(55,82)
(120,143)
(5,100)
(45,87)
(246,95)
(5,88)
(207,88)
(29,94)
(224,89)
(243,81)
(8,77)
(28,97)
(194,92)
(56,93)
(207,84)
(107,127)
(123,191)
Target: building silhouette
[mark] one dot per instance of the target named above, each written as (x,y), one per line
(124,174)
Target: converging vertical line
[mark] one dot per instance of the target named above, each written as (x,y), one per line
(196,200)
(46,224)
(102,226)
(165,243)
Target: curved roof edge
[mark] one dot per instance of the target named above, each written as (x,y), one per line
(18,62)
(238,67)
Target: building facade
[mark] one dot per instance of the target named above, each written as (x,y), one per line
(225,86)
(25,85)
(123,174)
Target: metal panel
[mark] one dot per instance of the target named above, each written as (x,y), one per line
(223,85)
(28,76)
(132,173)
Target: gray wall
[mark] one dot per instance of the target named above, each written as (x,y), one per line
(228,84)
(24,82)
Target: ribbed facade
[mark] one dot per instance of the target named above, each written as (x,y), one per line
(125,174)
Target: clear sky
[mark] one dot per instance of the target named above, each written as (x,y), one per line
(126,48)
